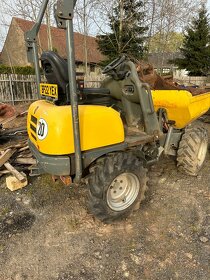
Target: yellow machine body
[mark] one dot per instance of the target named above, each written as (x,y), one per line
(181,106)
(50,127)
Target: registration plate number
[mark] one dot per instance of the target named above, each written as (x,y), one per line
(49,90)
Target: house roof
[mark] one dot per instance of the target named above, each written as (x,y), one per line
(59,41)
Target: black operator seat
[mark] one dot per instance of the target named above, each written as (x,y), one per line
(56,72)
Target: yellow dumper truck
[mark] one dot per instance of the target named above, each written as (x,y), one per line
(106,137)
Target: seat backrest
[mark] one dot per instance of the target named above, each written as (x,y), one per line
(55,70)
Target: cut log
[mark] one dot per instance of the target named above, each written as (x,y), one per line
(14,184)
(6,155)
(22,178)
(23,149)
(2,172)
(24,156)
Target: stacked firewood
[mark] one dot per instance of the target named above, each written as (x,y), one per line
(15,156)
(16,159)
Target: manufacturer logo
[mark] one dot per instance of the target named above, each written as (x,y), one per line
(42,129)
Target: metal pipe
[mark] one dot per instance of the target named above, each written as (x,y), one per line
(36,66)
(41,14)
(31,35)
(168,139)
(73,97)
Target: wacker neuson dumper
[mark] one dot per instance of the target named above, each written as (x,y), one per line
(108,136)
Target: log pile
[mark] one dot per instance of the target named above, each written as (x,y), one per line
(15,156)
(15,160)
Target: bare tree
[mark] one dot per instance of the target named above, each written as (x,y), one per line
(120,18)
(166,16)
(26,9)
(29,9)
(84,23)
(161,16)
(91,16)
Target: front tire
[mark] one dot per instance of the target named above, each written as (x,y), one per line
(192,150)
(117,184)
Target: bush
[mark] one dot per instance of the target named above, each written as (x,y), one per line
(22,70)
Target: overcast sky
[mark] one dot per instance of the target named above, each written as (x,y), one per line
(6,18)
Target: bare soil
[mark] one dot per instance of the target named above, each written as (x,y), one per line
(46,232)
(148,75)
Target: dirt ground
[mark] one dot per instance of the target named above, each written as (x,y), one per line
(46,232)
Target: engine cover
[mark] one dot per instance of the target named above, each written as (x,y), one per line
(50,127)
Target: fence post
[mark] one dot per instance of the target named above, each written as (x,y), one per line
(11,89)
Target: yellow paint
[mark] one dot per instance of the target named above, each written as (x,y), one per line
(99,126)
(181,106)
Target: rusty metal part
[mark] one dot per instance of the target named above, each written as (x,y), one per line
(67,180)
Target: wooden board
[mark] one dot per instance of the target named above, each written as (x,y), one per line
(15,173)
(6,155)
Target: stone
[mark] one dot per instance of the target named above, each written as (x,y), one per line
(97,255)
(26,200)
(126,274)
(204,239)
(190,256)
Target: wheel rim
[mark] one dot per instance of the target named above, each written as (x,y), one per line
(123,191)
(202,152)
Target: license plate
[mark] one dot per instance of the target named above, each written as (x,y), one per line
(49,90)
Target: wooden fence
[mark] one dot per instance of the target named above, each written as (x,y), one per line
(93,80)
(17,88)
(181,76)
(22,88)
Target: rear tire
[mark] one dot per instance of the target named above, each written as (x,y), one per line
(192,150)
(117,184)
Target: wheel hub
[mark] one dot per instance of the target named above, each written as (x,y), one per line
(123,191)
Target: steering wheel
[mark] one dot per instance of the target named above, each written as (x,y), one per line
(115,63)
